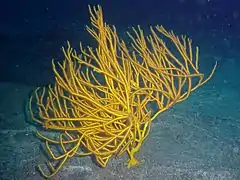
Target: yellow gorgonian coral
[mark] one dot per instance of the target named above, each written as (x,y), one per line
(99,104)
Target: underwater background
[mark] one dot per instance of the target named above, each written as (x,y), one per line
(196,139)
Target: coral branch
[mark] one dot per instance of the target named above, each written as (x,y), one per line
(100,99)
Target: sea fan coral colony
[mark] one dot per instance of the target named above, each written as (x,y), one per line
(99,104)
